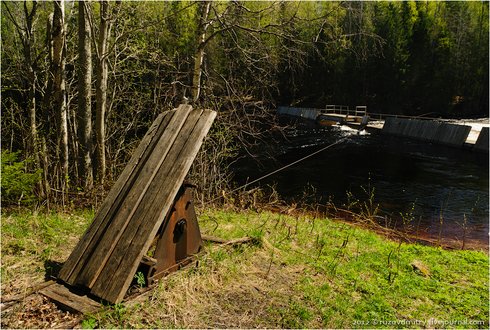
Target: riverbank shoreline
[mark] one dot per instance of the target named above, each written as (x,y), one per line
(441,189)
(409,234)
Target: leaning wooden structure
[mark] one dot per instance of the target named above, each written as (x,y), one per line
(149,202)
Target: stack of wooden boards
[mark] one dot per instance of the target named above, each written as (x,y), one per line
(107,256)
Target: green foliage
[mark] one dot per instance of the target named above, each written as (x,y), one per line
(295,315)
(89,323)
(17,183)
(140,279)
(407,57)
(401,57)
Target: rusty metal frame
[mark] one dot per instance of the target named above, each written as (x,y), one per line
(178,240)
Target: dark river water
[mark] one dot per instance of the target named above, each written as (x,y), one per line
(440,190)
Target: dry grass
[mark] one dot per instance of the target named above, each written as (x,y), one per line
(36,312)
(298,272)
(33,248)
(242,291)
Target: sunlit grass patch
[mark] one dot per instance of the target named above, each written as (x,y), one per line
(353,274)
(33,243)
(299,272)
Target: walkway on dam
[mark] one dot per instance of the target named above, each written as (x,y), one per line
(470,133)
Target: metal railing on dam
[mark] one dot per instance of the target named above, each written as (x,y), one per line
(432,130)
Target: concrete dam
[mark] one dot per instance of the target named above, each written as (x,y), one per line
(437,131)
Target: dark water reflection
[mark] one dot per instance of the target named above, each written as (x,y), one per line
(428,182)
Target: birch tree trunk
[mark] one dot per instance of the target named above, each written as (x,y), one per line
(25,31)
(84,115)
(101,89)
(204,7)
(27,41)
(58,58)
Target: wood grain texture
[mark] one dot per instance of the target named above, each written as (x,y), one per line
(136,194)
(112,201)
(73,301)
(117,275)
(117,195)
(111,249)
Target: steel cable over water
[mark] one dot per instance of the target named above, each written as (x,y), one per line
(281,169)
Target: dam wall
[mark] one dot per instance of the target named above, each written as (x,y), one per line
(451,134)
(482,142)
(307,113)
(428,130)
(414,128)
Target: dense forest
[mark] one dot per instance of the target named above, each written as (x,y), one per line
(83,80)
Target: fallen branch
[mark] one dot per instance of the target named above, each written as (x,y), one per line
(6,306)
(222,241)
(140,297)
(33,289)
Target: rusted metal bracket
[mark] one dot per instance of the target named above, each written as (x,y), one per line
(177,240)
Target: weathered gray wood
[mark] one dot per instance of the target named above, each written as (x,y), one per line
(136,194)
(85,247)
(73,301)
(106,258)
(152,206)
(115,278)
(112,201)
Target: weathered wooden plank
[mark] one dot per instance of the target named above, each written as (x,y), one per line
(74,301)
(112,201)
(116,197)
(151,206)
(117,275)
(136,194)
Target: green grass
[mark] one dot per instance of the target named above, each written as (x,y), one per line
(354,277)
(303,273)
(34,242)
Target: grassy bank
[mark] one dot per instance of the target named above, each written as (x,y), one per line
(301,272)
